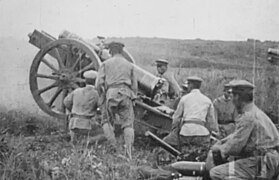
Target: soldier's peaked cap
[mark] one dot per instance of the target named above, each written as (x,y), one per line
(115,45)
(241,84)
(90,74)
(227,85)
(194,78)
(162,61)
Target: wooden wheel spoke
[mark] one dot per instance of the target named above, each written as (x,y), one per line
(80,57)
(59,59)
(86,68)
(47,88)
(51,101)
(47,76)
(68,58)
(49,65)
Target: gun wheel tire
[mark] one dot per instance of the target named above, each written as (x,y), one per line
(56,70)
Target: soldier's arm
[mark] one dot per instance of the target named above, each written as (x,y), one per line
(178,114)
(215,109)
(134,82)
(238,140)
(211,121)
(174,85)
(165,87)
(68,101)
(100,81)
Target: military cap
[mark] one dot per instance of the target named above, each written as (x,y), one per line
(114,44)
(241,84)
(185,84)
(227,85)
(162,61)
(90,74)
(101,37)
(194,78)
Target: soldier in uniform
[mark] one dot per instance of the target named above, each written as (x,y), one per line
(254,143)
(225,112)
(116,77)
(170,88)
(82,103)
(193,121)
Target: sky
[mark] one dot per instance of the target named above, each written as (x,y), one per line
(178,19)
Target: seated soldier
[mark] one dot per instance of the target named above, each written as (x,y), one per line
(193,122)
(225,112)
(82,103)
(254,143)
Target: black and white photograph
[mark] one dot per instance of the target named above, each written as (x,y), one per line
(139,90)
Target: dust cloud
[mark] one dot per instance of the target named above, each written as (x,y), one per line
(16,57)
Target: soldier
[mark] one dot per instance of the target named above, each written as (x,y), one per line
(170,88)
(82,103)
(193,121)
(225,112)
(255,141)
(116,77)
(184,91)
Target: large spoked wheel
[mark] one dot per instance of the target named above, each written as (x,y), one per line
(58,69)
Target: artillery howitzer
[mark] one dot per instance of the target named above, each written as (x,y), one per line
(273,56)
(58,67)
(188,170)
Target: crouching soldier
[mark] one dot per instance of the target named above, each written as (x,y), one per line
(254,143)
(193,122)
(82,103)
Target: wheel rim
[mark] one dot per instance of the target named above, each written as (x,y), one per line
(56,70)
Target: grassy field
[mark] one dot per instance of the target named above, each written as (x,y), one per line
(34,146)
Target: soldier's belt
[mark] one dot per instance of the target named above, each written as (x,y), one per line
(194,122)
(260,152)
(122,85)
(225,122)
(82,116)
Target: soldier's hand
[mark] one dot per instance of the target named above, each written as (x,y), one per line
(216,146)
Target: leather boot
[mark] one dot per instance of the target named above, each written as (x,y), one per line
(129,140)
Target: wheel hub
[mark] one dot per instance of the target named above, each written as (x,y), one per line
(66,77)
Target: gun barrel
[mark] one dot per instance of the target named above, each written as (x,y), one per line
(163,144)
(273,51)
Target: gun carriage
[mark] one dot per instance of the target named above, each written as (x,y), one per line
(58,67)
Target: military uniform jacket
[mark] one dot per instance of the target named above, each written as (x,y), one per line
(225,111)
(254,132)
(118,75)
(171,86)
(82,101)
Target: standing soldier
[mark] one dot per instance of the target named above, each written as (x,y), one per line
(254,143)
(193,121)
(82,103)
(116,78)
(170,88)
(225,112)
